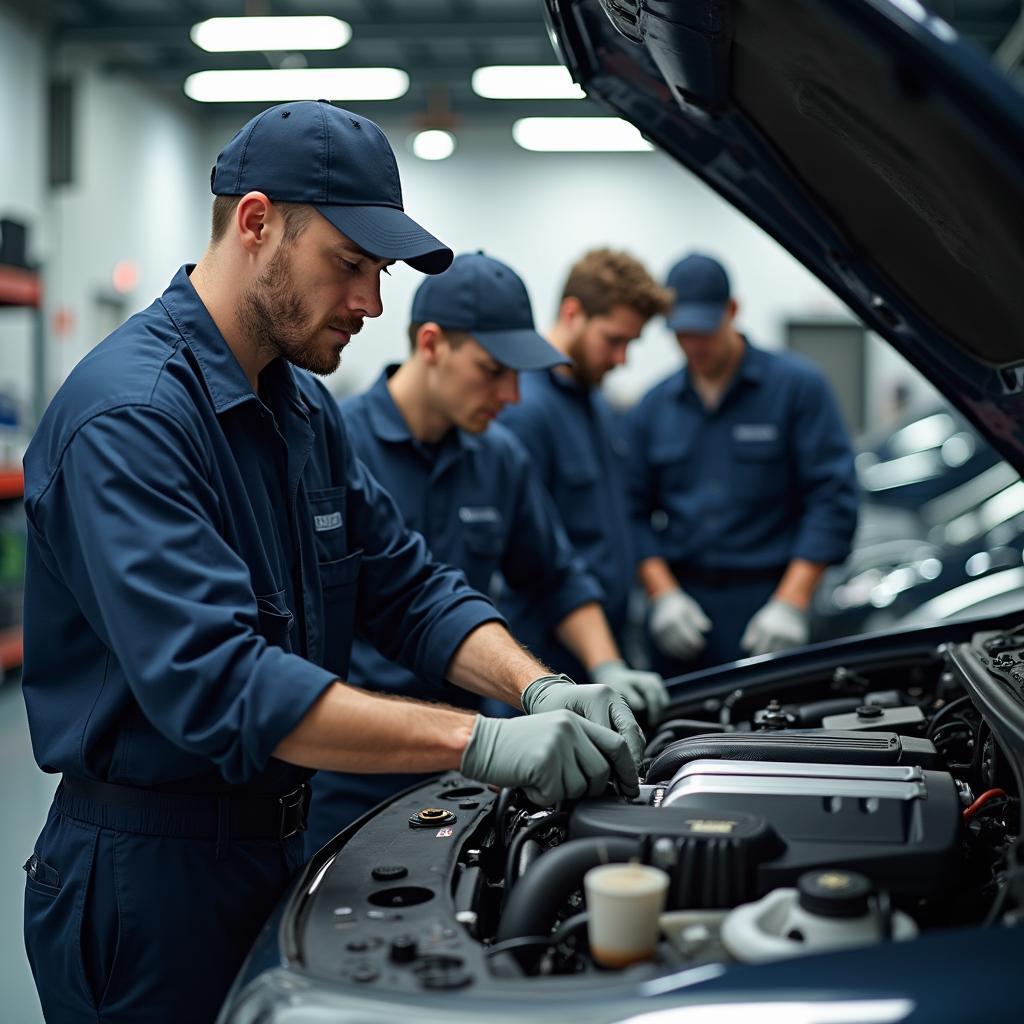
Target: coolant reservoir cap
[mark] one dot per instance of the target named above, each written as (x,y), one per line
(834,893)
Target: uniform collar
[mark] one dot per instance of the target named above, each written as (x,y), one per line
(568,383)
(225,379)
(388,423)
(750,371)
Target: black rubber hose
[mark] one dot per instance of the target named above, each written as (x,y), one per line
(537,897)
(679,729)
(515,848)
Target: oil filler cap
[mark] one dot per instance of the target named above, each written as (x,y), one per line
(431,817)
(834,893)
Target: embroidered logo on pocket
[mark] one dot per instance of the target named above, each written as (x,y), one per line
(331,521)
(479,514)
(755,432)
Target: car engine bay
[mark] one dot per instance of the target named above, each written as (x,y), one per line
(836,809)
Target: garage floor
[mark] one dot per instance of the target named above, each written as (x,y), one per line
(25,794)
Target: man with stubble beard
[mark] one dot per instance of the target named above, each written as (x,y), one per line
(203,545)
(568,428)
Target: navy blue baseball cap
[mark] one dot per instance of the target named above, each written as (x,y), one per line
(486,298)
(702,294)
(338,162)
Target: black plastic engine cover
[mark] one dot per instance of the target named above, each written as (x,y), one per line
(732,847)
(819,746)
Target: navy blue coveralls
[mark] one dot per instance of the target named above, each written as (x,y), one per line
(198,559)
(579,453)
(728,497)
(476,500)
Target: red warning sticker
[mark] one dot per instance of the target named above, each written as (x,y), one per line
(445,833)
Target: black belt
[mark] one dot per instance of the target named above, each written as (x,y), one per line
(714,576)
(197,816)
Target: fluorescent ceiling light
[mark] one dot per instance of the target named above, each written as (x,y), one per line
(526,82)
(222,35)
(578,135)
(297,84)
(433,144)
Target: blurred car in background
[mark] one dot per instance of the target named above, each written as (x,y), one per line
(929,453)
(907,552)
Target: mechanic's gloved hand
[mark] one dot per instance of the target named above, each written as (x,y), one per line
(775,627)
(553,757)
(644,692)
(678,625)
(601,704)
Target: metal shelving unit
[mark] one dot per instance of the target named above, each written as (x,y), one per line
(21,289)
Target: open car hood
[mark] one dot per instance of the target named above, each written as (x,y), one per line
(881,150)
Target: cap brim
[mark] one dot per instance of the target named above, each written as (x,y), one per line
(390,234)
(696,317)
(521,349)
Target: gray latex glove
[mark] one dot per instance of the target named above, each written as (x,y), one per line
(601,704)
(678,625)
(553,757)
(775,627)
(644,692)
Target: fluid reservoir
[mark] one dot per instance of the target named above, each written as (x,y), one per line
(829,909)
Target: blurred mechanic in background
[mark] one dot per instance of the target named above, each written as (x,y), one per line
(425,432)
(742,486)
(573,440)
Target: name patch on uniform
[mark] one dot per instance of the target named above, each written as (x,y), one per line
(755,432)
(479,514)
(330,521)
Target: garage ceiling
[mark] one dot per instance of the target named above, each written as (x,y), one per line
(438,42)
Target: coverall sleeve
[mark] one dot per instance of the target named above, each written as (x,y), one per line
(642,498)
(412,609)
(539,560)
(825,475)
(131,523)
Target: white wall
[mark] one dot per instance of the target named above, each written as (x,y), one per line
(138,196)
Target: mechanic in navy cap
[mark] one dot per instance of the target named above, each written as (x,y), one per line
(575,441)
(203,544)
(425,431)
(742,485)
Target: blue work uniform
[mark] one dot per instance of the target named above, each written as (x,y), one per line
(198,559)
(729,496)
(579,452)
(480,507)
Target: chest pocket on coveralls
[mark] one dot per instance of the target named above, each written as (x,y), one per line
(760,470)
(672,466)
(339,575)
(577,483)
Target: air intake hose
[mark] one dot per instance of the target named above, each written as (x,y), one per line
(543,889)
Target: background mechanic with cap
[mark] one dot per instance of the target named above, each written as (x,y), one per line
(742,486)
(203,544)
(425,431)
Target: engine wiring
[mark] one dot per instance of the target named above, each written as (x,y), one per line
(981,801)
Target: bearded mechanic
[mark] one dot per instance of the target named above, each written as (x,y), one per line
(426,432)
(575,443)
(202,546)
